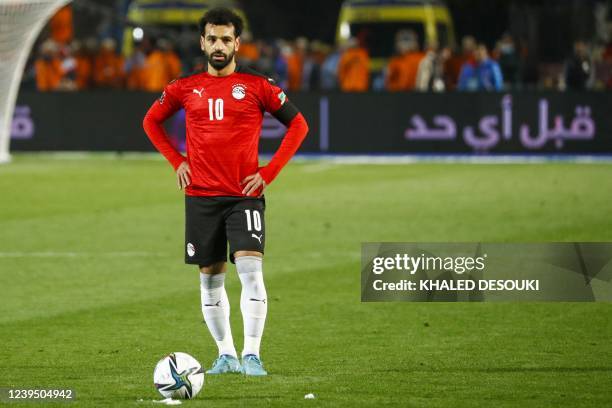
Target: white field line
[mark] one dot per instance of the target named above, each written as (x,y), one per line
(58,254)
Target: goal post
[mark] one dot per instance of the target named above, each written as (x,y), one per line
(20,23)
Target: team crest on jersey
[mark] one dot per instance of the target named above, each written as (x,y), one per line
(282,97)
(239,91)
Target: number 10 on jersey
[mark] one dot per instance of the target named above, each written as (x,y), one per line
(215,109)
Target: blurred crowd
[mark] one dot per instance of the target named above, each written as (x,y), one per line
(63,63)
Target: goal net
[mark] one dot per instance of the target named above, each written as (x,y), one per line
(20,23)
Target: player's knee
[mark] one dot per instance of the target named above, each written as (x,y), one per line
(239,254)
(213,269)
(260,289)
(253,284)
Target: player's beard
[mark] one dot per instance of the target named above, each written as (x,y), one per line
(219,65)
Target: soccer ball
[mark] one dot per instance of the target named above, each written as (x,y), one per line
(178,376)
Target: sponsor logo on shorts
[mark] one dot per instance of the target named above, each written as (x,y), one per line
(257,237)
(190,249)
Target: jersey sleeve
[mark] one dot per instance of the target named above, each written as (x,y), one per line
(171,97)
(168,104)
(276,102)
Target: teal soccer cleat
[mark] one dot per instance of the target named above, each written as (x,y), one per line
(225,364)
(251,365)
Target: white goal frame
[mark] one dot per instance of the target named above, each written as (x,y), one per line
(20,24)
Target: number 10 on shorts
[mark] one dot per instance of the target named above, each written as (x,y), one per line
(253,219)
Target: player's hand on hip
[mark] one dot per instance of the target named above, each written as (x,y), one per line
(183,175)
(252,183)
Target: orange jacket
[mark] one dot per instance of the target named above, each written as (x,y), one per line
(84,71)
(354,70)
(61,25)
(49,74)
(173,66)
(396,78)
(155,74)
(108,69)
(411,65)
(248,52)
(295,65)
(402,71)
(136,78)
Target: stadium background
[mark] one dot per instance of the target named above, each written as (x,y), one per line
(91,229)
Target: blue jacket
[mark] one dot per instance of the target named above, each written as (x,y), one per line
(485,76)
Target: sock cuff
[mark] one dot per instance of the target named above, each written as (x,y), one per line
(248,264)
(215,281)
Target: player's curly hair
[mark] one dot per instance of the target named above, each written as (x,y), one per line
(222,16)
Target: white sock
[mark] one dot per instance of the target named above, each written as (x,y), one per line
(253,302)
(216,311)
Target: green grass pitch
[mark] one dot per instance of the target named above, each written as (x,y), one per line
(94,289)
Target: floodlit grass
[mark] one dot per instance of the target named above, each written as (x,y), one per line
(94,289)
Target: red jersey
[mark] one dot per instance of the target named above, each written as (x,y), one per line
(223,120)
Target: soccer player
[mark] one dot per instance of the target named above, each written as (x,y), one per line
(223,182)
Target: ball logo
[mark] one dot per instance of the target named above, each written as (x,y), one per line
(239,91)
(190,249)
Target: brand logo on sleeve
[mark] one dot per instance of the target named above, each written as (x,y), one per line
(282,97)
(239,91)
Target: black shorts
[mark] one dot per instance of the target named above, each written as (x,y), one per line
(210,222)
